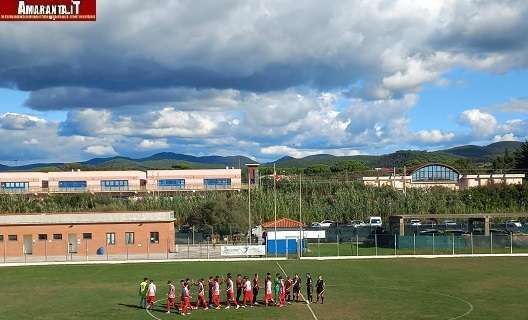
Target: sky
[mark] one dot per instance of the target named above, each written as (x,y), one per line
(264,79)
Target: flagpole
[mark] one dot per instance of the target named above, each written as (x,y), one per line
(275,205)
(300,217)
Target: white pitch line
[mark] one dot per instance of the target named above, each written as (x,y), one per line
(307,303)
(469,304)
(150,314)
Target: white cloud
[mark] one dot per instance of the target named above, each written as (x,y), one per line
(482,124)
(100,150)
(434,136)
(254,77)
(505,137)
(300,153)
(148,144)
(514,105)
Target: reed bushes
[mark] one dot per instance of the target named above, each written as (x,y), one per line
(337,200)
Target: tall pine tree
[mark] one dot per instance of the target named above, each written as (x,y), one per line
(521,157)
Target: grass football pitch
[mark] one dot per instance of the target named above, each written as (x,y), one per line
(443,288)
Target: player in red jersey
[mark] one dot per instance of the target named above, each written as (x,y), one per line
(230,292)
(288,287)
(282,292)
(201,295)
(216,293)
(268,291)
(248,292)
(255,288)
(186,299)
(151,294)
(171,296)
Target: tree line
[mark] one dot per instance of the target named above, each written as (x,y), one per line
(337,200)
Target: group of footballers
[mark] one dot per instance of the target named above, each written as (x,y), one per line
(278,292)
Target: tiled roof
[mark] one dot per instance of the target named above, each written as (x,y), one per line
(284,223)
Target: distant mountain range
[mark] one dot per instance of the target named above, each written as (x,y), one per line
(170,160)
(163,160)
(472,153)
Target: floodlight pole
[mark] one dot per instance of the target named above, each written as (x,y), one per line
(249,210)
(275,206)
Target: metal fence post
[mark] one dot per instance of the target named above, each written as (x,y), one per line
(86,248)
(207,249)
(376,242)
(148,248)
(511,242)
(127,251)
(414,243)
(357,244)
(46,250)
(337,239)
(188,248)
(472,247)
(318,245)
(168,244)
(395,250)
(453,242)
(491,242)
(433,245)
(106,250)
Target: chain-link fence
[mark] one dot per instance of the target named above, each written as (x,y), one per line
(337,241)
(433,244)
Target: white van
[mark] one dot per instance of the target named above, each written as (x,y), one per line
(374,221)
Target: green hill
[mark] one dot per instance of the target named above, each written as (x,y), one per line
(457,156)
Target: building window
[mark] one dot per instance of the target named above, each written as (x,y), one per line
(43,236)
(171,184)
(14,186)
(129,237)
(114,185)
(57,236)
(72,185)
(87,236)
(435,173)
(1,237)
(12,237)
(222,183)
(110,238)
(154,237)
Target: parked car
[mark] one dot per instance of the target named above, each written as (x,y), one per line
(514,223)
(430,223)
(449,223)
(356,223)
(374,222)
(326,223)
(185,228)
(415,222)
